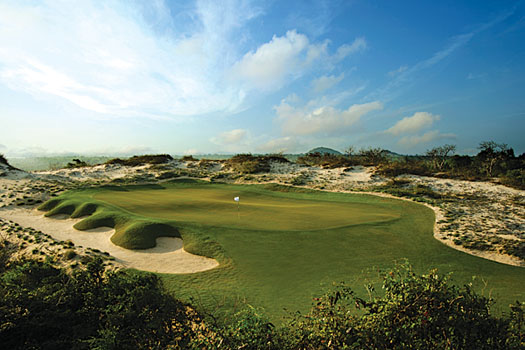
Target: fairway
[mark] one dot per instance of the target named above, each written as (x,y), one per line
(281,245)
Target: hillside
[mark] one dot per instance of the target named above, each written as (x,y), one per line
(323,150)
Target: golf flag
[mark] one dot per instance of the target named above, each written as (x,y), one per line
(236,199)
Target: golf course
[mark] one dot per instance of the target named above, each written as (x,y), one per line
(278,246)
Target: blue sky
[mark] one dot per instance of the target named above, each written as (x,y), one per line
(235,76)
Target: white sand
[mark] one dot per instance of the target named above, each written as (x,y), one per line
(168,256)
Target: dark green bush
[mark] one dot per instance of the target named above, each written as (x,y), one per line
(415,312)
(248,164)
(396,168)
(42,307)
(142,160)
(325,160)
(514,178)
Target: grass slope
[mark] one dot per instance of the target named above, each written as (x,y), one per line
(284,245)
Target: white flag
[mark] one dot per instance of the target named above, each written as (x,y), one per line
(236,199)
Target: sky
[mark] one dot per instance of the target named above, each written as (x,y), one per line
(238,76)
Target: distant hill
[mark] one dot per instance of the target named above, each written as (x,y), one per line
(324,150)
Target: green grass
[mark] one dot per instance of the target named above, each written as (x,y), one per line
(283,245)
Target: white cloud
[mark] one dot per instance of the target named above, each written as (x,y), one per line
(267,67)
(398,71)
(286,58)
(230,137)
(413,124)
(321,120)
(326,82)
(283,144)
(109,59)
(146,58)
(434,135)
(472,76)
(345,50)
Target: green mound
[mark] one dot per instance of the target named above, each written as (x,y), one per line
(281,245)
(131,231)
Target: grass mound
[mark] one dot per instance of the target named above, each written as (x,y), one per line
(131,231)
(143,234)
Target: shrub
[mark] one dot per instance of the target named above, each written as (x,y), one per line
(188,158)
(89,309)
(514,178)
(415,312)
(325,160)
(248,164)
(76,163)
(142,160)
(69,254)
(396,168)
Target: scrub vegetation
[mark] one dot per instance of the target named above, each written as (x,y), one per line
(45,307)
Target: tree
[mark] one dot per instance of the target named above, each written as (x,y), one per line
(372,156)
(492,153)
(439,155)
(349,151)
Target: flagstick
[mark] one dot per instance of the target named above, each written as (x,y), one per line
(238,210)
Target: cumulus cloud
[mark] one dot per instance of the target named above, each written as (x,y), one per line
(321,120)
(285,58)
(266,67)
(230,137)
(434,135)
(413,124)
(326,82)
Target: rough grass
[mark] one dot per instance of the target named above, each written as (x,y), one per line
(269,258)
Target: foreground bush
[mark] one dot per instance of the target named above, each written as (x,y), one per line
(42,307)
(415,312)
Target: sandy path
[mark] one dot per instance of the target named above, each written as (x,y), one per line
(168,256)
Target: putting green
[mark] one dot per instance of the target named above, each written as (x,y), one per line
(255,211)
(282,245)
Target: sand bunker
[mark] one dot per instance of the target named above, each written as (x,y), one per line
(168,256)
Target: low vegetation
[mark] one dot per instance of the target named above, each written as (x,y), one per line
(142,160)
(325,160)
(45,307)
(250,164)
